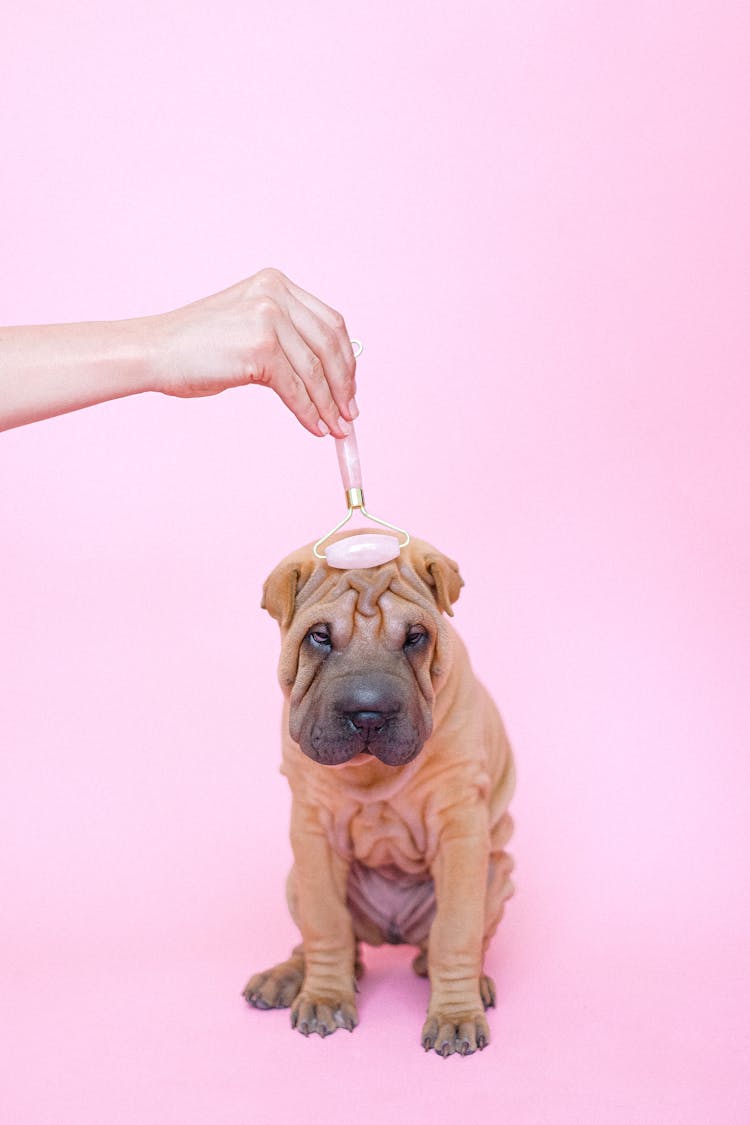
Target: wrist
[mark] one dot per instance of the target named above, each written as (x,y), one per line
(136,349)
(158,337)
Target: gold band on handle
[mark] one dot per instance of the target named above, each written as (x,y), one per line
(355,498)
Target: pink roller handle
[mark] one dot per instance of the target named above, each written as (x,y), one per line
(349,467)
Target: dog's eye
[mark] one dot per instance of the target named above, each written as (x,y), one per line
(415,636)
(320,637)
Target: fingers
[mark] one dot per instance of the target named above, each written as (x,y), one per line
(333,323)
(308,367)
(334,349)
(292,391)
(316,345)
(337,360)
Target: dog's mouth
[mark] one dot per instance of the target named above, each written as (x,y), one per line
(360,759)
(363,718)
(338,741)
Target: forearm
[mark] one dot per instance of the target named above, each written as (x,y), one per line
(52,369)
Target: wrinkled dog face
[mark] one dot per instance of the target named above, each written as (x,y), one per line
(364,694)
(363,653)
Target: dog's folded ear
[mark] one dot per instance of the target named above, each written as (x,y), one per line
(283,584)
(441,574)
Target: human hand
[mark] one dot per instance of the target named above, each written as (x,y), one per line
(263,330)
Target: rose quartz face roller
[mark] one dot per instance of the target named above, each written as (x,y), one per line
(358,552)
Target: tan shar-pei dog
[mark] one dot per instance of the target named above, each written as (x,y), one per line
(401,774)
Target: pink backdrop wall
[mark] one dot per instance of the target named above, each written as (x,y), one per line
(535,216)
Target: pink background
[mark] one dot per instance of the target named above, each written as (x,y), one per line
(535,216)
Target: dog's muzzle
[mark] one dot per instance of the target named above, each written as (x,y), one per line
(365,714)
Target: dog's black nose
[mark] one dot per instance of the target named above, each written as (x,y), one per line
(367,723)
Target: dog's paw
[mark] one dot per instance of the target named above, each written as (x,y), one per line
(277,987)
(323,1015)
(461,1035)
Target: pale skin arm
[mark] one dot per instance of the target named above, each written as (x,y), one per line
(263,330)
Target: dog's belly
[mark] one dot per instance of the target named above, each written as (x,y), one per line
(388,905)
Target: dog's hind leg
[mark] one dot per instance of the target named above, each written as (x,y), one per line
(419,964)
(277,987)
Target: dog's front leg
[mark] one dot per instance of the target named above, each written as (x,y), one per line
(455,1018)
(326,1001)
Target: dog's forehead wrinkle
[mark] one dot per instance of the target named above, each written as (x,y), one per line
(412,592)
(325,590)
(312,590)
(369,586)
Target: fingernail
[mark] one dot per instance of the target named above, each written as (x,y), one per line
(343,425)
(323,428)
(353,408)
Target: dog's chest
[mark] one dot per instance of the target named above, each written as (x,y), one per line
(380,834)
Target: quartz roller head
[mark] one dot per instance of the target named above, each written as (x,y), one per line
(358,552)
